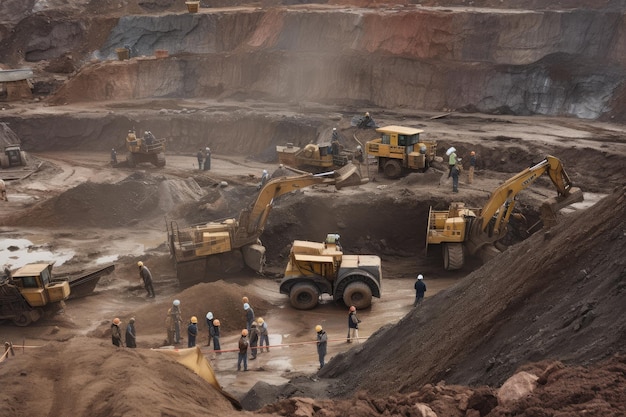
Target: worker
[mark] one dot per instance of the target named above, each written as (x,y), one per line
(113,157)
(210,327)
(131,336)
(192,332)
(146,277)
(472,165)
(264,178)
(216,336)
(451,152)
(420,289)
(176,320)
(243,351)
(149,138)
(358,157)
(264,334)
(253,336)
(322,342)
(200,158)
(334,142)
(455,172)
(249,312)
(116,333)
(207,159)
(353,325)
(365,121)
(3,191)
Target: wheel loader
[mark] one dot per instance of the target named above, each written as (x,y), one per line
(224,244)
(12,156)
(145,149)
(322,268)
(312,158)
(468,231)
(399,150)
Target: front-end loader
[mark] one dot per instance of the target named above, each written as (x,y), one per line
(222,244)
(146,149)
(322,268)
(463,231)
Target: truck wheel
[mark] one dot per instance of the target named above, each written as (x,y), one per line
(160,159)
(453,257)
(304,296)
(392,169)
(23,319)
(358,294)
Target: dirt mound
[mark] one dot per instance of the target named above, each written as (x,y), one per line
(557,294)
(7,136)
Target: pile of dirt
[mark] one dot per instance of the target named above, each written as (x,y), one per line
(7,136)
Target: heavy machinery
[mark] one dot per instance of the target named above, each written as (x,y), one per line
(12,156)
(313,158)
(322,268)
(26,294)
(463,231)
(145,149)
(222,245)
(399,150)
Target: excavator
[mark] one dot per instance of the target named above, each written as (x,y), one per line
(463,231)
(222,245)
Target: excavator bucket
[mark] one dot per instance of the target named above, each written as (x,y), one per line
(348,176)
(550,207)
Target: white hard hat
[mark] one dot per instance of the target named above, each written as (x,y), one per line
(358,147)
(176,302)
(334,128)
(450,150)
(265,171)
(209,315)
(420,277)
(280,166)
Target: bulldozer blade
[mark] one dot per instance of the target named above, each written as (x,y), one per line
(348,176)
(550,207)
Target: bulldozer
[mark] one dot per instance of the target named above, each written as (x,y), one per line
(400,150)
(322,268)
(468,231)
(145,149)
(313,157)
(12,156)
(225,244)
(29,292)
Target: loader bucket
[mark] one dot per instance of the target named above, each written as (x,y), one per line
(348,176)
(551,206)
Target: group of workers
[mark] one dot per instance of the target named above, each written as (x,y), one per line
(204,159)
(454,163)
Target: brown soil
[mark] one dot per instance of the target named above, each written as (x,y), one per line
(551,306)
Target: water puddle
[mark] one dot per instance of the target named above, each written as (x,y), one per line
(15,253)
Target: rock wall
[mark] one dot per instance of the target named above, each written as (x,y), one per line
(494,61)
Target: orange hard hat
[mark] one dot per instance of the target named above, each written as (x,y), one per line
(244,332)
(116,321)
(245,300)
(352,308)
(472,153)
(216,322)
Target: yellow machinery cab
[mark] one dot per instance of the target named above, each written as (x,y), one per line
(36,286)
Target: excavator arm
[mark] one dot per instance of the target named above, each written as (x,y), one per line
(491,223)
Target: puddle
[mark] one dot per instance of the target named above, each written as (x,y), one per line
(22,252)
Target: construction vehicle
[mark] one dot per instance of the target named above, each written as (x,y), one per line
(146,149)
(313,157)
(322,268)
(463,231)
(29,292)
(223,244)
(399,150)
(12,156)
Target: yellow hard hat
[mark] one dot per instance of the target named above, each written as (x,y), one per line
(116,321)
(260,320)
(216,322)
(244,332)
(194,319)
(140,264)
(318,328)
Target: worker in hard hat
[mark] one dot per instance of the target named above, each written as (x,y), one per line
(131,335)
(358,157)
(249,312)
(472,165)
(116,332)
(451,152)
(334,142)
(353,325)
(146,277)
(265,176)
(243,351)
(264,334)
(253,337)
(420,289)
(322,342)
(207,159)
(173,321)
(210,327)
(216,335)
(113,157)
(200,158)
(192,331)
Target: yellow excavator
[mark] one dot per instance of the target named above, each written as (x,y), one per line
(222,245)
(463,231)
